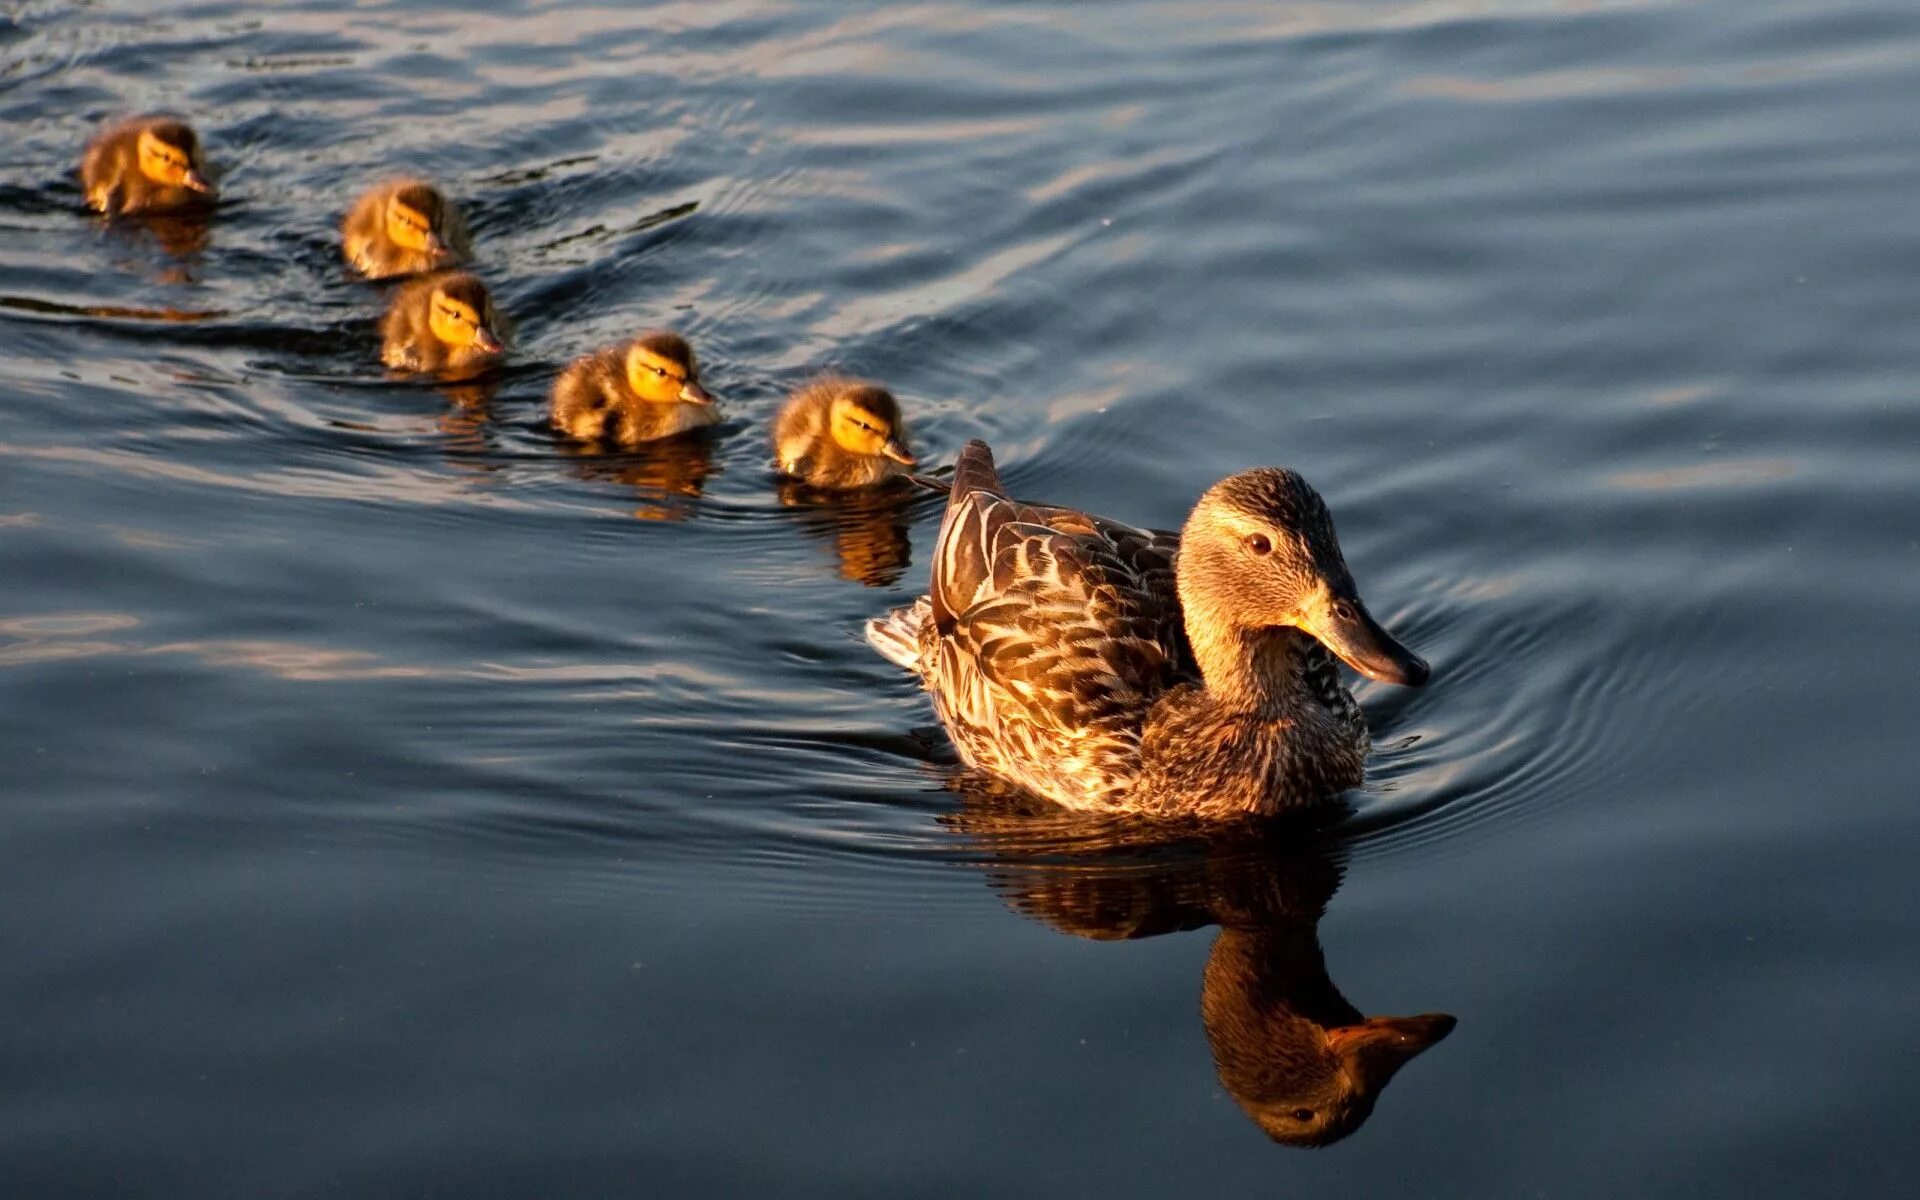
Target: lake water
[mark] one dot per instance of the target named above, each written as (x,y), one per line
(395,802)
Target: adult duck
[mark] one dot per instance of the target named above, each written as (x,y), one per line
(1109,668)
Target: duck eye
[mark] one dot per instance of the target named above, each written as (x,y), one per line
(1303,1114)
(1259,544)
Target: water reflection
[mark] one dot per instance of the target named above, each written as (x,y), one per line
(1293,1052)
(667,476)
(467,422)
(866,529)
(182,236)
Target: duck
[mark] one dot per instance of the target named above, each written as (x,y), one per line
(638,391)
(1114,669)
(840,434)
(404,227)
(444,323)
(146,164)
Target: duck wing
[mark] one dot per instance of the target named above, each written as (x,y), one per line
(1054,631)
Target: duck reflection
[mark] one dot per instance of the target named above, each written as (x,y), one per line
(1293,1052)
(667,476)
(867,529)
(182,236)
(467,421)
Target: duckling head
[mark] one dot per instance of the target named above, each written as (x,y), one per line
(414,219)
(661,369)
(169,153)
(865,420)
(460,314)
(1259,552)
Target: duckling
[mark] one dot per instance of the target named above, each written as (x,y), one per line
(404,227)
(639,392)
(841,434)
(146,164)
(443,323)
(1124,670)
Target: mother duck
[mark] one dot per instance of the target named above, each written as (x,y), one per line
(1115,669)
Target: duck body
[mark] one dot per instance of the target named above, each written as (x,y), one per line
(1116,669)
(404,227)
(443,324)
(840,434)
(148,164)
(626,395)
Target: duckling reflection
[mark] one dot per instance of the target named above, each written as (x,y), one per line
(467,422)
(667,476)
(1293,1052)
(867,529)
(182,236)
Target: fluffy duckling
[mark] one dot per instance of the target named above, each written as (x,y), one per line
(404,227)
(444,323)
(841,434)
(144,165)
(640,392)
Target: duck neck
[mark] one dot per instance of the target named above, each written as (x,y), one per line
(1253,670)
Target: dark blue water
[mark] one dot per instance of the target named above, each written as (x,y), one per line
(395,802)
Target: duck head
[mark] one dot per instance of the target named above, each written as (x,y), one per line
(169,153)
(461,315)
(1259,552)
(661,369)
(415,219)
(865,420)
(1307,1084)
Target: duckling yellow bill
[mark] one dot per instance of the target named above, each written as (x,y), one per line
(1115,669)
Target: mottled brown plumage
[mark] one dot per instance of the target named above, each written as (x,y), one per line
(404,227)
(840,434)
(633,393)
(444,324)
(1110,668)
(146,165)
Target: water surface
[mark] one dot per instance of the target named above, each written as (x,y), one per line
(398,802)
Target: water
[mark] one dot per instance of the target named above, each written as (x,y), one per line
(399,803)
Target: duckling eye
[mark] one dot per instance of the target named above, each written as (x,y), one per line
(1259,544)
(1303,1114)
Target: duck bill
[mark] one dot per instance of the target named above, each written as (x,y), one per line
(1363,645)
(196,181)
(486,341)
(692,393)
(436,245)
(1376,1049)
(899,453)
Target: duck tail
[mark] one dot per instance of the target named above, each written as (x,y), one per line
(974,471)
(896,634)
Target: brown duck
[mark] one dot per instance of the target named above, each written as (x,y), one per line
(146,165)
(1109,668)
